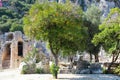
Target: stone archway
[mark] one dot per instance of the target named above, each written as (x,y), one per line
(6,57)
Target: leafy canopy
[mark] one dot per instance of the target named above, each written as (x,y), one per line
(59,24)
(110,32)
(92,20)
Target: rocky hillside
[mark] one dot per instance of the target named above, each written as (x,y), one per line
(103,5)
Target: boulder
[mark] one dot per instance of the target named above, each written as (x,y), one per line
(83,71)
(82,67)
(96,68)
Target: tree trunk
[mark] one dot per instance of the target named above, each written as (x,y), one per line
(90,57)
(56,59)
(96,58)
(55,55)
(115,55)
(71,58)
(114,58)
(109,67)
(56,64)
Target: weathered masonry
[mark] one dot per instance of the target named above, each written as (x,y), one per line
(14,47)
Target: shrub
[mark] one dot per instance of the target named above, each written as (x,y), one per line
(104,70)
(54,70)
(28,69)
(25,69)
(39,70)
(117,70)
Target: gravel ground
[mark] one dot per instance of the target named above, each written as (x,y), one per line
(14,75)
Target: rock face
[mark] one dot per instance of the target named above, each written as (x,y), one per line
(103,5)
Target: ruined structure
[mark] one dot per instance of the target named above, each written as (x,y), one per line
(14,46)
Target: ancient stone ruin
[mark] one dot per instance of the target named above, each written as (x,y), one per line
(13,48)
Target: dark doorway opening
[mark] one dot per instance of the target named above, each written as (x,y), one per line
(20,49)
(6,57)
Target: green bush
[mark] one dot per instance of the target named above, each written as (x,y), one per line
(25,69)
(39,70)
(31,69)
(117,70)
(54,70)
(28,69)
(104,70)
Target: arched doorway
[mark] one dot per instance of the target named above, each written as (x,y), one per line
(6,57)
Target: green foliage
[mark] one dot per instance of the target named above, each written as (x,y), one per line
(39,70)
(104,70)
(16,26)
(6,20)
(58,24)
(110,32)
(11,18)
(93,14)
(20,7)
(28,69)
(31,56)
(31,59)
(91,21)
(40,57)
(25,69)
(54,69)
(117,70)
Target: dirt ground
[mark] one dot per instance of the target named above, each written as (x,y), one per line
(15,75)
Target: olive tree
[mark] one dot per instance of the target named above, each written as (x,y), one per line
(92,19)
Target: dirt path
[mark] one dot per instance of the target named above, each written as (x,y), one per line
(14,75)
